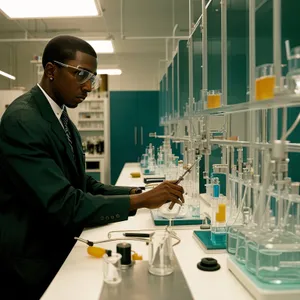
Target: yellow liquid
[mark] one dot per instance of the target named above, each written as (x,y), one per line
(265,88)
(221,214)
(213,101)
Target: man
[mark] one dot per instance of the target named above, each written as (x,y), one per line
(45,196)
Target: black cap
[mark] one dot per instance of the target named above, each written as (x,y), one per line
(208,264)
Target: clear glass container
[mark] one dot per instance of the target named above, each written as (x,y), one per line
(161,254)
(265,82)
(218,205)
(236,220)
(214,99)
(278,258)
(293,76)
(112,268)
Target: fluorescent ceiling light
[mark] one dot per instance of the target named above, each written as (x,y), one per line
(109,71)
(101,46)
(26,9)
(7,75)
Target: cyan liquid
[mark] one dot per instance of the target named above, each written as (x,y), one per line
(240,254)
(218,238)
(251,256)
(278,267)
(231,242)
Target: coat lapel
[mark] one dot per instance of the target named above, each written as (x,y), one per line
(48,114)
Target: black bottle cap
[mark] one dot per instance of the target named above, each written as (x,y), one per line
(208,264)
(125,250)
(108,252)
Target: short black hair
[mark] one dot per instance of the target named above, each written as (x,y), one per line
(64,47)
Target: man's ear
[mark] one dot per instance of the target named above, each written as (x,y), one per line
(50,70)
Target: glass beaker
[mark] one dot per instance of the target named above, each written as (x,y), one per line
(214,99)
(278,258)
(278,252)
(293,75)
(265,82)
(144,161)
(161,254)
(112,268)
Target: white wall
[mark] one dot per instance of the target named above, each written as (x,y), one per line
(6,97)
(140,71)
(5,65)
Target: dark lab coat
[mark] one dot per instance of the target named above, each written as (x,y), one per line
(46,199)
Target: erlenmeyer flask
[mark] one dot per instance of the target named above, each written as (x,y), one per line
(160,254)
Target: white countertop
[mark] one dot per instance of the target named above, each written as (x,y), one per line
(80,277)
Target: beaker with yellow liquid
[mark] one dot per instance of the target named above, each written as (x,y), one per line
(265,82)
(214,99)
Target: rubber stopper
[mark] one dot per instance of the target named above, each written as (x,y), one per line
(208,264)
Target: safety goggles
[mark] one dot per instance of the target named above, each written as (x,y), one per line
(82,76)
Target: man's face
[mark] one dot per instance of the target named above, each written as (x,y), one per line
(66,87)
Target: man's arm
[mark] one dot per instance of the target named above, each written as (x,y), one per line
(25,153)
(94,187)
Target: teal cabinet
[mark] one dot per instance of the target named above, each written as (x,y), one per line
(133,115)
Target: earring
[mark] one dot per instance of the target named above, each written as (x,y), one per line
(51,78)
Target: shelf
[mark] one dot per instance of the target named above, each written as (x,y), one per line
(93,156)
(90,129)
(92,170)
(90,120)
(94,100)
(279,101)
(95,110)
(36,61)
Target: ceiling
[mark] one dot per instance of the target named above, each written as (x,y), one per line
(141,18)
(138,30)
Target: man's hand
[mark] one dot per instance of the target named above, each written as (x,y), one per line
(168,191)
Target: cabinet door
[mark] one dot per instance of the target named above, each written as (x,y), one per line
(148,112)
(123,130)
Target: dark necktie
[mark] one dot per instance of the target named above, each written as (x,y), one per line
(65,121)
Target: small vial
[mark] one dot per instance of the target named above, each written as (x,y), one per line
(112,268)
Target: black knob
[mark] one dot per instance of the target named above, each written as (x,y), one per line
(125,250)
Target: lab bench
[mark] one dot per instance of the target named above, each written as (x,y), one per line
(81,276)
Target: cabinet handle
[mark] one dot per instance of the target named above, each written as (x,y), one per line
(135,135)
(142,134)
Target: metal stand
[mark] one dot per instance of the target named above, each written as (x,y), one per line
(137,283)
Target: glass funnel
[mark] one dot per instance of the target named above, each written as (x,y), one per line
(178,211)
